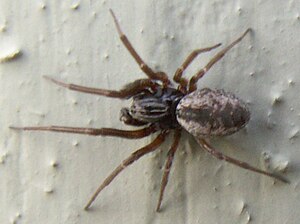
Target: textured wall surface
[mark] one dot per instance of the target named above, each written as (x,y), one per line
(48,177)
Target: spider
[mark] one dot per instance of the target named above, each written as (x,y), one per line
(162,109)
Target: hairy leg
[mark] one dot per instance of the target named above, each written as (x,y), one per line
(95,131)
(216,58)
(178,74)
(129,160)
(207,147)
(168,165)
(129,90)
(144,67)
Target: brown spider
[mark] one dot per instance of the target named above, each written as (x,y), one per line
(203,113)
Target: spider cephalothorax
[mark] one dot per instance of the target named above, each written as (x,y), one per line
(157,107)
(162,109)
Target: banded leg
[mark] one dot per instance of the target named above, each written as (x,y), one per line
(144,67)
(132,158)
(207,147)
(216,58)
(168,165)
(178,74)
(129,90)
(141,133)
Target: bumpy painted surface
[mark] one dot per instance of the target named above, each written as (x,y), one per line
(47,178)
(207,112)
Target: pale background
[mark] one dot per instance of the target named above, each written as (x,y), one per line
(48,177)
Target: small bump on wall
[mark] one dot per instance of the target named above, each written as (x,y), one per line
(243,211)
(16,218)
(75,6)
(11,55)
(42,6)
(275,162)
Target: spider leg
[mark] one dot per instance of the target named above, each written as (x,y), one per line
(129,160)
(207,147)
(132,134)
(168,164)
(144,67)
(183,82)
(216,58)
(129,90)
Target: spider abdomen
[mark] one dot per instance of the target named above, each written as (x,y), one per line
(209,112)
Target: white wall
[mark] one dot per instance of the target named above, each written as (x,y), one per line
(48,177)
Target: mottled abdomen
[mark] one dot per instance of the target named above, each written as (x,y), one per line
(209,112)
